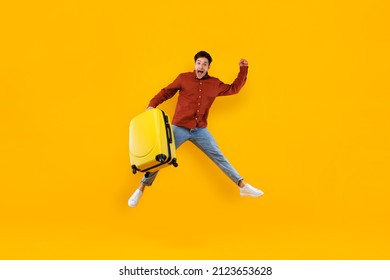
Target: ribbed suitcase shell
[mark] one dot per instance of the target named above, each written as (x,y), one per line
(151,143)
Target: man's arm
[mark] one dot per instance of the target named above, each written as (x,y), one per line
(239,82)
(165,94)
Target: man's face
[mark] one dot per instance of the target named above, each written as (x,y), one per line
(201,67)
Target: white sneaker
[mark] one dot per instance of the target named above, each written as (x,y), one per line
(133,201)
(248,190)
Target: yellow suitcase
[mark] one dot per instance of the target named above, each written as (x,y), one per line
(152,143)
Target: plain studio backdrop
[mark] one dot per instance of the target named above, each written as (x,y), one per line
(310,128)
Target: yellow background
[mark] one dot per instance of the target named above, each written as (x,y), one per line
(310,128)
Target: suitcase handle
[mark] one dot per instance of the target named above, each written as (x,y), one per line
(168,128)
(169,133)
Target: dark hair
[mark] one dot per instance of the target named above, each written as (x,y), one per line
(203,54)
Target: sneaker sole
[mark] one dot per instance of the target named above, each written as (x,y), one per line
(132,205)
(251,195)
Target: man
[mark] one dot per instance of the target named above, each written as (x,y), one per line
(197,92)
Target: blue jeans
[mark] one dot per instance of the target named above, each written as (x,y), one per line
(203,139)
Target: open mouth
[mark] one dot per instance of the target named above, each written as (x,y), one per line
(199,73)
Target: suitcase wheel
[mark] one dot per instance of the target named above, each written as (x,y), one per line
(134,168)
(174,163)
(161,158)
